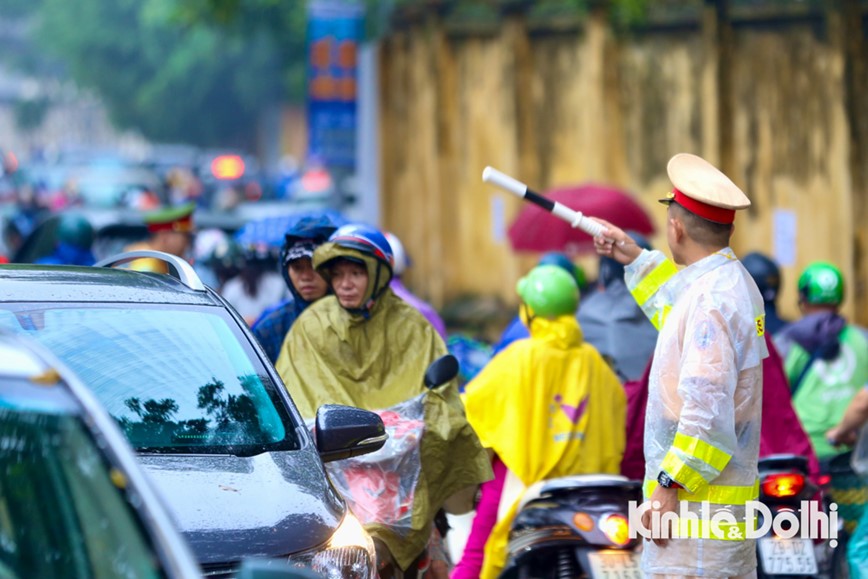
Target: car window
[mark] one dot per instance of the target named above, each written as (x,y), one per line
(63,511)
(177,380)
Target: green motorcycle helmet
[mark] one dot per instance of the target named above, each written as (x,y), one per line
(75,230)
(549,291)
(822,283)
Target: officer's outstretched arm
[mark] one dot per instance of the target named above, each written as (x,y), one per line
(646,278)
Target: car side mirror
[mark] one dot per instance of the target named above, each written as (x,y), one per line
(344,431)
(441,371)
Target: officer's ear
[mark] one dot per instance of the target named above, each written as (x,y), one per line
(677,225)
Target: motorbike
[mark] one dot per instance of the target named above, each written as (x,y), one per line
(379,487)
(785,492)
(575,527)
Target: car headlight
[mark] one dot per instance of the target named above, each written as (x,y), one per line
(348,554)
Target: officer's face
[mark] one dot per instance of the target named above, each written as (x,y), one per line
(349,282)
(306,281)
(176,243)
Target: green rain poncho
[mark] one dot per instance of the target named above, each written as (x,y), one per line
(374,360)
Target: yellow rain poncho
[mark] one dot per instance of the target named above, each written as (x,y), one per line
(548,406)
(375,361)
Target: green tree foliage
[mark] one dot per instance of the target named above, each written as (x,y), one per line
(283,21)
(539,12)
(172,81)
(200,71)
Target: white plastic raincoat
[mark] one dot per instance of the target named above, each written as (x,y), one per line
(704,403)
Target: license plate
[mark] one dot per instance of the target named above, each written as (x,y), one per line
(787,556)
(615,565)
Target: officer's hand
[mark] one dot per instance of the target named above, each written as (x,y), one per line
(666,501)
(616,244)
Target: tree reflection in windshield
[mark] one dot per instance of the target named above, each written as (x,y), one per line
(152,411)
(232,419)
(231,409)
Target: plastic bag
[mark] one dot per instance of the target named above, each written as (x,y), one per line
(379,487)
(859,459)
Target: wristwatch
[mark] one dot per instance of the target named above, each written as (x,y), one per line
(666,481)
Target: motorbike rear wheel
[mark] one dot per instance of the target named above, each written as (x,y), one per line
(839,568)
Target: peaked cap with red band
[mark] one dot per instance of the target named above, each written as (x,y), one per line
(703,189)
(179,219)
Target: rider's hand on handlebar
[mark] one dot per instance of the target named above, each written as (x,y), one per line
(838,436)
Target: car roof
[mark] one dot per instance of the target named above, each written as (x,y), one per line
(59,283)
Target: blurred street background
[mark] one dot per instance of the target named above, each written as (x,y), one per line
(387,111)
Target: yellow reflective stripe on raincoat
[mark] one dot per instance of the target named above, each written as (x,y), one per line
(659,317)
(682,473)
(653,281)
(715,494)
(698,448)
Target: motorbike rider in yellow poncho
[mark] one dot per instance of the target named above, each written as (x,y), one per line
(702,430)
(366,347)
(547,406)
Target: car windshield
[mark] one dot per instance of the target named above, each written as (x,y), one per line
(177,380)
(64,510)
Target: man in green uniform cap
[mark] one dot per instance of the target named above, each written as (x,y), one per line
(171,231)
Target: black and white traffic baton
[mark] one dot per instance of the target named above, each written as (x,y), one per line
(574,218)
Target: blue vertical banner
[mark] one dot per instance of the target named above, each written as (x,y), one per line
(335,29)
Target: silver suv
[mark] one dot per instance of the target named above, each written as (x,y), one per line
(212,423)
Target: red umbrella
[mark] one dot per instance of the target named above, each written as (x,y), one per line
(536,229)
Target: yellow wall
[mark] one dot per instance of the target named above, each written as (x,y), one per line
(775,103)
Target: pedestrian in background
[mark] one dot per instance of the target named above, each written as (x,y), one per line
(517,330)
(767,275)
(74,239)
(402,262)
(171,230)
(547,406)
(257,286)
(305,284)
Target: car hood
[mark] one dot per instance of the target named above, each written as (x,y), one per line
(231,507)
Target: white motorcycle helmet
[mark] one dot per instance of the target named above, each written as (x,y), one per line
(401,261)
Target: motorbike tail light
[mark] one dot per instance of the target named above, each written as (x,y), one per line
(824,479)
(583,521)
(227,167)
(616,529)
(783,485)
